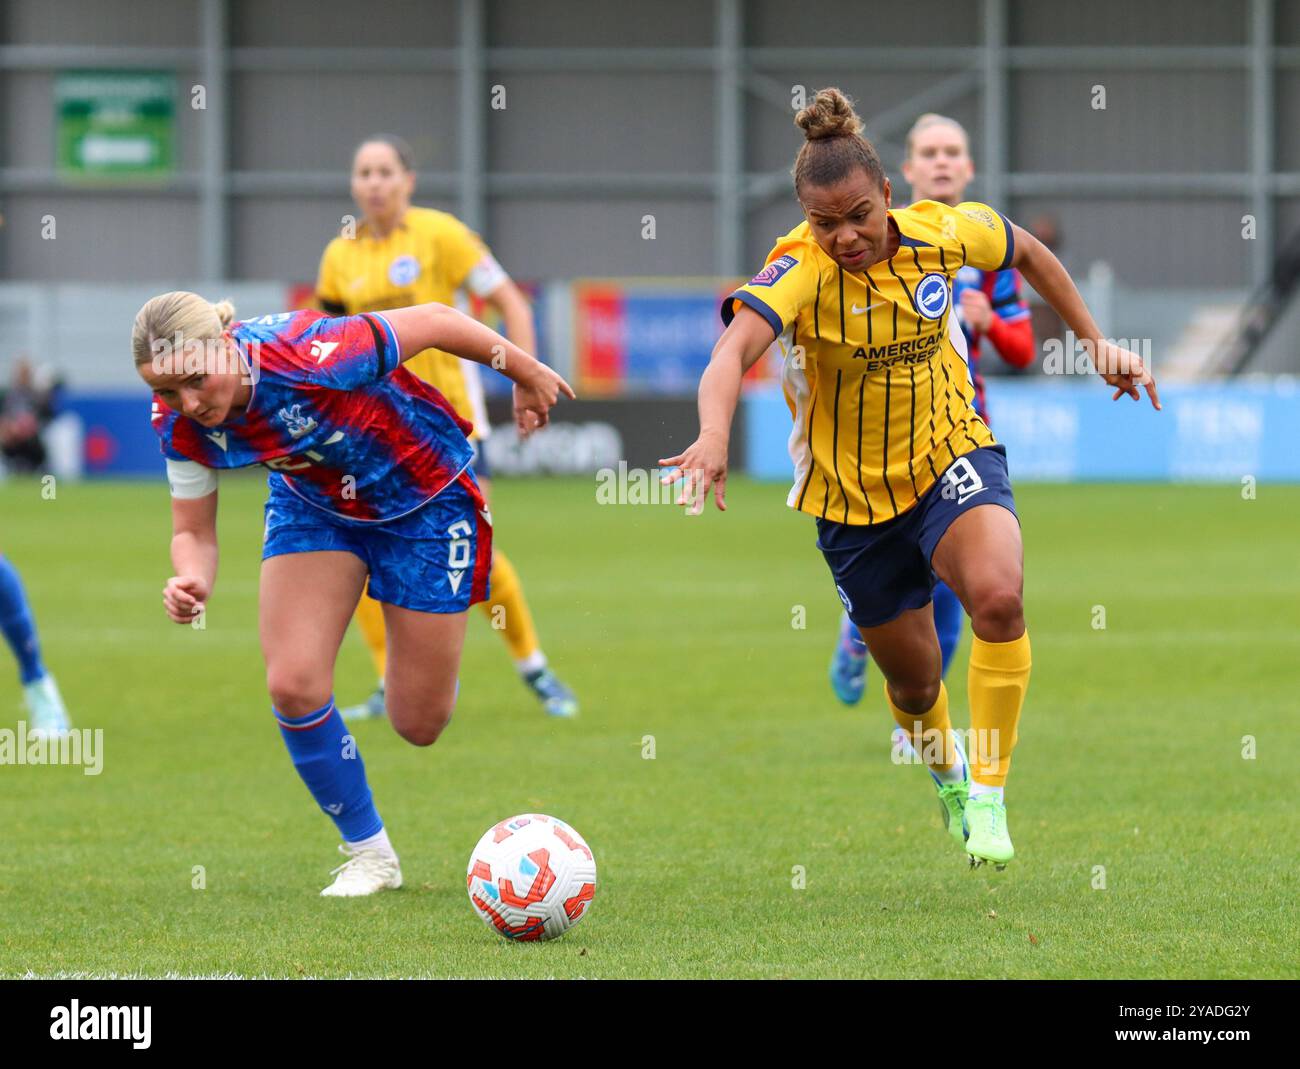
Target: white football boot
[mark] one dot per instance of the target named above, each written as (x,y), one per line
(364,873)
(46,708)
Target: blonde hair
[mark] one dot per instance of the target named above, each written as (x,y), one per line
(833,145)
(178,317)
(927,120)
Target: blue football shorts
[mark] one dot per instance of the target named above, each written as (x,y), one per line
(883,569)
(434,559)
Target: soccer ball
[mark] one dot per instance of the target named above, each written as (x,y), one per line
(531,877)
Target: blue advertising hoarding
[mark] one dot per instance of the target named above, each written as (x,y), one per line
(1207,432)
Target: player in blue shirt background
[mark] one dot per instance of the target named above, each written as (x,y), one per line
(369,477)
(986,305)
(45,705)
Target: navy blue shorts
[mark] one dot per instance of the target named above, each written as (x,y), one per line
(435,559)
(881,570)
(480,462)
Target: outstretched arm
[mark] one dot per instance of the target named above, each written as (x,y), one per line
(704,463)
(1041,269)
(435,326)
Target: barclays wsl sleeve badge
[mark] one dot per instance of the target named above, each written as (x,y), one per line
(773,271)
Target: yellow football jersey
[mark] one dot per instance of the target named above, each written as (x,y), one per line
(428,256)
(874,371)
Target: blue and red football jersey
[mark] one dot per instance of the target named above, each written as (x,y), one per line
(1002,288)
(334,415)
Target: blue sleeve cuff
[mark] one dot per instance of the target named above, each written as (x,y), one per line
(393,347)
(747,298)
(1011,243)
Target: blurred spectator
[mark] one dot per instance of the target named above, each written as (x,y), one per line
(26,406)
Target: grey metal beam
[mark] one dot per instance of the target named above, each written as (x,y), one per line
(471,129)
(617,184)
(728,137)
(612,60)
(1127,57)
(214,224)
(57,57)
(1104,184)
(876,58)
(419,60)
(324,183)
(1260,127)
(47,180)
(262,58)
(993,152)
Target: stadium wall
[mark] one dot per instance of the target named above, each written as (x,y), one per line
(294,109)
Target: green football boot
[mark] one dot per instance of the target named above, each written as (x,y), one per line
(952,799)
(988,839)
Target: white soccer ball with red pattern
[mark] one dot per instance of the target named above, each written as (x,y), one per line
(531,877)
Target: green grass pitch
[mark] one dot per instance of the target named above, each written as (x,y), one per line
(1130,769)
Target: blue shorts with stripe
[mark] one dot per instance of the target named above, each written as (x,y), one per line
(881,570)
(434,559)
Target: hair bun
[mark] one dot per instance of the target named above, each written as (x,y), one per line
(830,114)
(225,312)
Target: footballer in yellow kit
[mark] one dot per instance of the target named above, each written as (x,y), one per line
(402,255)
(877,383)
(905,480)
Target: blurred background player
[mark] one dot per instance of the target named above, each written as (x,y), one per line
(40,692)
(403,255)
(26,408)
(369,484)
(988,305)
(21,411)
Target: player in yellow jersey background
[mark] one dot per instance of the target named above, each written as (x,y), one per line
(905,479)
(402,255)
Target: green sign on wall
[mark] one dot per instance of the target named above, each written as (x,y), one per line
(114,123)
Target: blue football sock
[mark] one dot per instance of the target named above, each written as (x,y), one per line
(327,759)
(17,624)
(949,619)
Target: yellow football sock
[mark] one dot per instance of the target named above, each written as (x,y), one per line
(927,729)
(999,677)
(508,609)
(370,619)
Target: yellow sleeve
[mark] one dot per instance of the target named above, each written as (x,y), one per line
(982,235)
(329,294)
(780,291)
(461,249)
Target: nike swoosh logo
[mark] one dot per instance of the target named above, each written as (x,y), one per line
(966,497)
(858,310)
